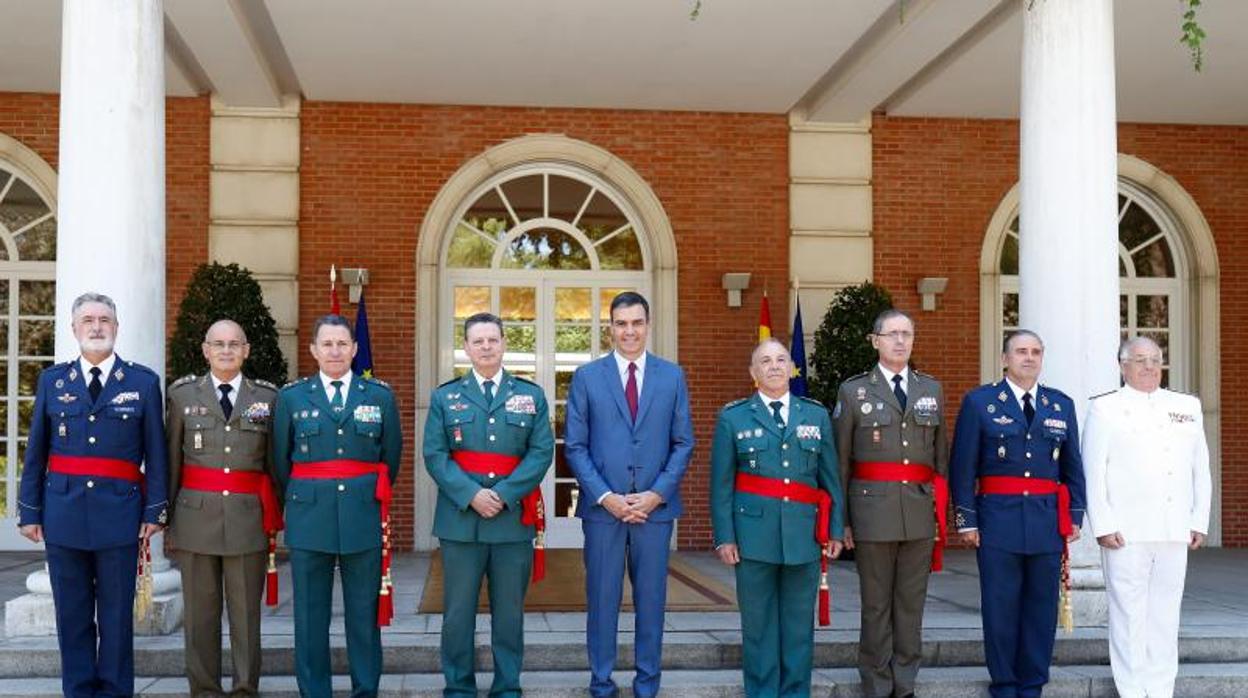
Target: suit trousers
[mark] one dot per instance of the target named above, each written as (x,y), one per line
(507,567)
(91,585)
(313,578)
(892,577)
(777,605)
(204,577)
(1019,595)
(645,546)
(1145,585)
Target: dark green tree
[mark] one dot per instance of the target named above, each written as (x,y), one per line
(842,346)
(220,292)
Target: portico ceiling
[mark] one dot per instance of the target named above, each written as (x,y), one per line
(833,60)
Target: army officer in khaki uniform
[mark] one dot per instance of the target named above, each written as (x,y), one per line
(224,508)
(890,434)
(776,508)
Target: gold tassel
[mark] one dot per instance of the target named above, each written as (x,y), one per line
(1066,616)
(143,591)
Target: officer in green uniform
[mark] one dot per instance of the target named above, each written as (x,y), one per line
(336,450)
(775,497)
(488,444)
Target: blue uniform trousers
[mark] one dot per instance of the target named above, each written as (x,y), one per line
(777,626)
(1019,603)
(313,578)
(88,585)
(645,547)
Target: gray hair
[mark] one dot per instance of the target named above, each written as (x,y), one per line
(1009,339)
(1128,345)
(228,323)
(759,347)
(92,297)
(878,326)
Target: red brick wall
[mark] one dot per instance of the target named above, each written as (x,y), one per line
(33,120)
(937,183)
(370,171)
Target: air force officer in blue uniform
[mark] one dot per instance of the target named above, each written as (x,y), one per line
(628,440)
(1015,462)
(96,420)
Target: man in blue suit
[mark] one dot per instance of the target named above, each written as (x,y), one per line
(1017,482)
(628,440)
(96,420)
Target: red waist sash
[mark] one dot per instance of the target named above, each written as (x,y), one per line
(998,484)
(789,491)
(909,472)
(340,469)
(532,507)
(95,467)
(199,478)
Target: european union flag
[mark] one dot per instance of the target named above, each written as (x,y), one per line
(362,364)
(797,349)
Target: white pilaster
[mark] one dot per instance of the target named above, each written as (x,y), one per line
(1068,259)
(111,189)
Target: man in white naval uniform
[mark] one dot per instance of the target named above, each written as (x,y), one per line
(1147,467)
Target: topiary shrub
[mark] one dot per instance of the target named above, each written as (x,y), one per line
(219,292)
(842,346)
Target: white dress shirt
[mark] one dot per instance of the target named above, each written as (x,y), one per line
(235,384)
(621,364)
(1019,392)
(329,389)
(105,366)
(905,378)
(784,407)
(482,379)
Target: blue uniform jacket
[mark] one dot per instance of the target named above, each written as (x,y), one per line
(126,423)
(992,438)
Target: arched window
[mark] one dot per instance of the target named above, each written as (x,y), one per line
(27,310)
(1152,269)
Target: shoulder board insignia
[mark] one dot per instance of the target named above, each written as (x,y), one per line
(737,402)
(377,381)
(264,384)
(812,401)
(295,382)
(1107,392)
(856,376)
(524,380)
(188,378)
(453,380)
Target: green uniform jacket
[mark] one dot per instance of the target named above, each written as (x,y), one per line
(748,440)
(337,515)
(872,427)
(211,523)
(516,423)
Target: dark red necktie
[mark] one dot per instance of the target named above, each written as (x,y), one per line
(630,390)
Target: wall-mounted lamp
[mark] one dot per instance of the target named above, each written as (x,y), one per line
(929,287)
(734,284)
(356,280)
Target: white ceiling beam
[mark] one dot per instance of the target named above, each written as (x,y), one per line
(890,54)
(221,42)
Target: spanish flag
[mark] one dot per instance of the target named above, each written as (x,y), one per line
(764,320)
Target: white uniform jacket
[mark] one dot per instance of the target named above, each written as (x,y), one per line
(1147,466)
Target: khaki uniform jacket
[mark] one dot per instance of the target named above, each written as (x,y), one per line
(872,427)
(214,523)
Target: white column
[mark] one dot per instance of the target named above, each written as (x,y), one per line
(111,188)
(1068,258)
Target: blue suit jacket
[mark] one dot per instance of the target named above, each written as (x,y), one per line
(126,423)
(608,452)
(992,438)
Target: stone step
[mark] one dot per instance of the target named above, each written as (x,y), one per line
(1077,681)
(565,651)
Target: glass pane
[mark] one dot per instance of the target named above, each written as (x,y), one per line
(1123,320)
(39,242)
(4,487)
(561,419)
(469,250)
(1154,260)
(1122,266)
(4,341)
(1122,203)
(35,297)
(20,206)
(461,370)
(36,337)
(21,456)
(1009,256)
(562,469)
(1152,311)
(4,294)
(520,338)
(25,410)
(572,338)
(28,376)
(1162,337)
(601,218)
(621,251)
(567,195)
(489,215)
(605,296)
(4,423)
(604,338)
(1014,224)
(1009,308)
(572,304)
(525,195)
(470,300)
(566,494)
(563,382)
(517,303)
(545,248)
(1136,227)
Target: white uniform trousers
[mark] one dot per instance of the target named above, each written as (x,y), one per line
(1145,585)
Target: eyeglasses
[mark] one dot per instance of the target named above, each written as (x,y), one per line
(222,346)
(897,335)
(1150,361)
